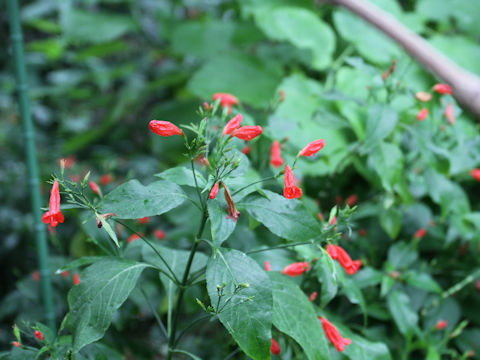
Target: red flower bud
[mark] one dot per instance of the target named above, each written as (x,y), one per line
(248,133)
(333,335)
(36,276)
(159,234)
(475,174)
(206,106)
(233,124)
(296,269)
(321,217)
(275,348)
(76,279)
(333,221)
(164,128)
(65,273)
(106,179)
(68,162)
(312,148)
(246,150)
(352,200)
(39,335)
(132,237)
(443,89)
(214,191)
(423,96)
(422,114)
(143,220)
(275,155)
(95,188)
(16,344)
(313,296)
(441,324)
(268,267)
(420,233)
(332,251)
(450,113)
(226,100)
(54,216)
(291,191)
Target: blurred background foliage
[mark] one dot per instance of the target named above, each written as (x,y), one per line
(99,70)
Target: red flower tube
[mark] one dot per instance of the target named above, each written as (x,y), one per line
(214,191)
(312,148)
(275,348)
(95,188)
(16,344)
(39,335)
(159,234)
(76,279)
(420,233)
(313,296)
(338,253)
(106,179)
(443,89)
(267,265)
(132,237)
(296,269)
(422,114)
(248,133)
(246,150)
(164,128)
(333,335)
(143,220)
(291,191)
(54,216)
(233,124)
(475,174)
(352,200)
(226,100)
(441,324)
(450,113)
(275,155)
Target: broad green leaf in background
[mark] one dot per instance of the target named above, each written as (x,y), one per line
(387,160)
(405,318)
(235,73)
(183,175)
(422,281)
(326,272)
(132,200)
(248,313)
(294,315)
(221,226)
(391,221)
(302,28)
(286,218)
(363,349)
(401,255)
(381,121)
(103,288)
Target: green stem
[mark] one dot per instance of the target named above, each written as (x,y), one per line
(281,247)
(255,182)
(181,292)
(29,133)
(196,184)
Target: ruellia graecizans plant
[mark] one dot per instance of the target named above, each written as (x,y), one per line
(257,298)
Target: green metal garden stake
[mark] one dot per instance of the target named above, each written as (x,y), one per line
(29,133)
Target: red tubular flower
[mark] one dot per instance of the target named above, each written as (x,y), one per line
(164,128)
(36,276)
(132,237)
(226,100)
(450,113)
(143,220)
(233,124)
(313,296)
(352,200)
(159,234)
(214,191)
(420,233)
(39,335)
(275,155)
(443,89)
(338,253)
(441,324)
(65,273)
(246,150)
(16,344)
(106,179)
(354,266)
(268,267)
(54,216)
(95,188)
(296,269)
(423,96)
(312,148)
(275,348)
(422,114)
(291,191)
(248,133)
(76,279)
(475,174)
(332,251)
(333,221)
(333,335)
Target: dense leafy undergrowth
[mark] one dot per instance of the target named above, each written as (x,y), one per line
(394,187)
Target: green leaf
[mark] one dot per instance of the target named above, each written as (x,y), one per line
(423,281)
(363,349)
(245,312)
(302,28)
(221,226)
(387,160)
(391,221)
(106,226)
(103,288)
(294,315)
(286,218)
(132,200)
(234,74)
(381,121)
(401,310)
(401,255)
(327,275)
(183,175)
